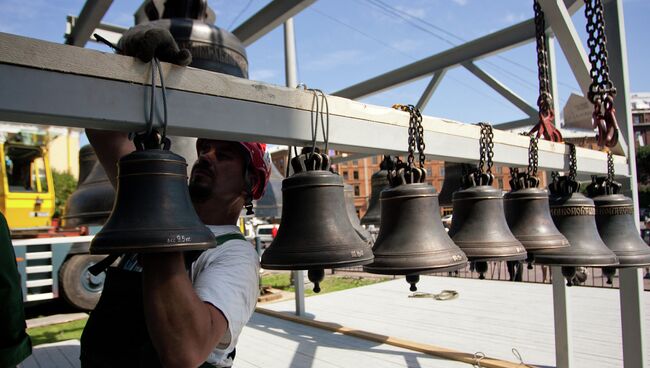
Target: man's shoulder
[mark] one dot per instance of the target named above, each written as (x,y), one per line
(233,248)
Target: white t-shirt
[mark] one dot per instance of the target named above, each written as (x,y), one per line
(228,278)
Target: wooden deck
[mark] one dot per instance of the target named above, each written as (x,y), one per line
(489,316)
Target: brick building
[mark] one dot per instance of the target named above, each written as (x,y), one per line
(641,118)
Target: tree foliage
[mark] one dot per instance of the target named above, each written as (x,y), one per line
(64,185)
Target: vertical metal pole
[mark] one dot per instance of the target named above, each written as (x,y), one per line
(631,282)
(291,78)
(563,357)
(552,71)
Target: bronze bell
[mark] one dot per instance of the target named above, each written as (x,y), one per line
(153,211)
(348,191)
(479,226)
(616,225)
(379,182)
(411,239)
(574,215)
(92,201)
(529,218)
(315,232)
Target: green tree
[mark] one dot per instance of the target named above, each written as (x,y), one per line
(643,164)
(64,185)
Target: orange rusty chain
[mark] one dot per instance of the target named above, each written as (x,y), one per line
(545,126)
(601,91)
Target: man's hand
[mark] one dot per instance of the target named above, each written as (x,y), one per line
(146,42)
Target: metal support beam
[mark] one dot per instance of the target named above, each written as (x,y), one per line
(271,16)
(470,51)
(89,18)
(552,75)
(632,317)
(501,89)
(110,32)
(431,87)
(60,85)
(291,78)
(631,287)
(559,19)
(561,311)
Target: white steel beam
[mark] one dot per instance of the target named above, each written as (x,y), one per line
(470,51)
(110,32)
(559,19)
(561,319)
(431,88)
(89,18)
(267,19)
(501,89)
(60,85)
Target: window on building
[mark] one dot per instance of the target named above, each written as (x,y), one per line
(442,171)
(500,183)
(636,118)
(429,172)
(355,175)
(355,162)
(374,160)
(499,170)
(25,169)
(345,175)
(357,192)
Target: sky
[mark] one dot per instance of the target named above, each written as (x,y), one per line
(342,42)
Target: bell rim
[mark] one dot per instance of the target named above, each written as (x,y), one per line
(513,257)
(553,261)
(163,248)
(308,266)
(412,271)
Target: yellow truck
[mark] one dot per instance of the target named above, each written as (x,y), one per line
(27,191)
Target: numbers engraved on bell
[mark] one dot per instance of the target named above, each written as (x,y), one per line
(573,211)
(356,253)
(178,239)
(613,211)
(457,257)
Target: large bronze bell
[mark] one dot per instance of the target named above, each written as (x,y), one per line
(348,191)
(153,211)
(379,182)
(528,215)
(92,202)
(574,215)
(411,239)
(479,226)
(315,231)
(616,225)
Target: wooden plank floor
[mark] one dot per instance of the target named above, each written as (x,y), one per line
(489,316)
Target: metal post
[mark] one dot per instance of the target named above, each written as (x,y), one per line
(631,283)
(291,78)
(563,357)
(632,315)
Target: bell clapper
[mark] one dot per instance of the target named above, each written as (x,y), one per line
(569,273)
(316,276)
(609,272)
(413,280)
(481,268)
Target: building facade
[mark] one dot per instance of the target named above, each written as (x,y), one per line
(641,118)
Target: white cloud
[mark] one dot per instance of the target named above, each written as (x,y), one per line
(415,12)
(510,18)
(406,45)
(334,59)
(263,74)
(461,2)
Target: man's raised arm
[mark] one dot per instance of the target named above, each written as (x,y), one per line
(109,147)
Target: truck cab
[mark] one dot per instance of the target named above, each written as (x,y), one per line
(27,190)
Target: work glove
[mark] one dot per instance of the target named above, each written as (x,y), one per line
(146,42)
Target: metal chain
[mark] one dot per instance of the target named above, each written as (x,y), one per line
(533,156)
(486,148)
(573,163)
(415,114)
(545,99)
(601,85)
(416,134)
(610,167)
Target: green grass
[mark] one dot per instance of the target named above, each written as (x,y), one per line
(59,332)
(330,284)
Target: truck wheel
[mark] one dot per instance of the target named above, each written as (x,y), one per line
(79,287)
